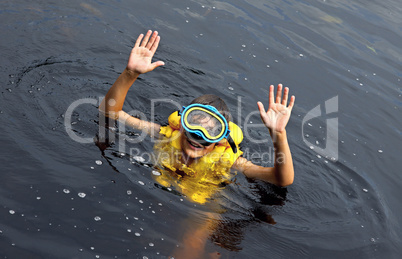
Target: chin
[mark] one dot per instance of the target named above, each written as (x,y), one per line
(192,154)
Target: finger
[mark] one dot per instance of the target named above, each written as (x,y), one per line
(271,96)
(145,40)
(285,96)
(292,102)
(155,44)
(137,43)
(152,40)
(279,94)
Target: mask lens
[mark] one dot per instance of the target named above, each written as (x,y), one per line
(205,120)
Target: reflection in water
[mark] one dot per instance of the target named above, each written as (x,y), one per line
(226,216)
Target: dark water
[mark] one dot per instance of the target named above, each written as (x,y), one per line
(65,199)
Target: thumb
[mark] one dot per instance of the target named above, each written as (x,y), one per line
(261,108)
(157,64)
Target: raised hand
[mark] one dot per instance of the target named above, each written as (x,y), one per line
(277,116)
(140,60)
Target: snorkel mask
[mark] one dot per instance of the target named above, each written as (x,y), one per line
(205,125)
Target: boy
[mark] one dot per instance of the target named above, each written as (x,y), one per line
(203,129)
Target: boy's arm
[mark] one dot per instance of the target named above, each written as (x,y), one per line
(139,62)
(275,119)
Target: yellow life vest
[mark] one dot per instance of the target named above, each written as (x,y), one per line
(201,179)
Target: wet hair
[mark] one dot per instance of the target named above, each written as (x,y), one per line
(215,101)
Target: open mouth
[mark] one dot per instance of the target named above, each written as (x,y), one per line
(194,144)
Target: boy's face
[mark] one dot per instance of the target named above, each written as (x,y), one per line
(193,149)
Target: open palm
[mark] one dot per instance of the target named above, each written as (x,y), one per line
(140,60)
(277,116)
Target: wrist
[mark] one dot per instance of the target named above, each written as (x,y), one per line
(132,74)
(278,136)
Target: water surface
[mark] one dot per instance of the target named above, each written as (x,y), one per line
(64,199)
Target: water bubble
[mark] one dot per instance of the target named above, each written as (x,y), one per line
(12,212)
(129,230)
(137,234)
(365,190)
(98,162)
(129,192)
(81,195)
(38,198)
(230,88)
(151,244)
(141,182)
(243,45)
(139,159)
(66,191)
(97,218)
(301,55)
(380,151)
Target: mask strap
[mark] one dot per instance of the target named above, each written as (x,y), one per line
(179,112)
(232,144)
